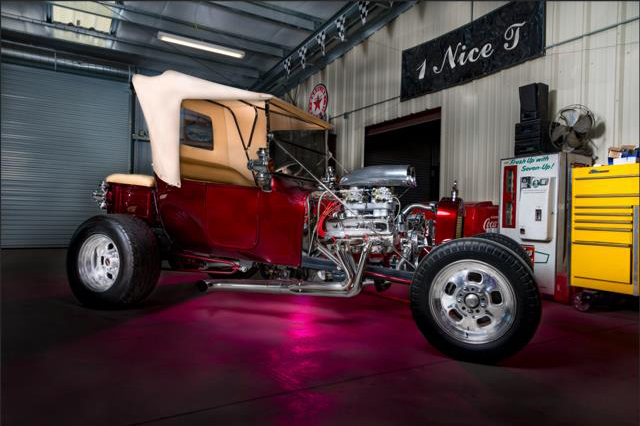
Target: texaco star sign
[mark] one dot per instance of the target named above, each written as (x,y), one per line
(318,101)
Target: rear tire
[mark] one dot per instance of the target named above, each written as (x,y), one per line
(475,301)
(113,261)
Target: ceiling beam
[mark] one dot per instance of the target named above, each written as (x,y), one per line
(274,73)
(129,46)
(290,12)
(266,15)
(63,49)
(191,32)
(319,62)
(266,46)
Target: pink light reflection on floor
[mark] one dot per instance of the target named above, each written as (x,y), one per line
(299,364)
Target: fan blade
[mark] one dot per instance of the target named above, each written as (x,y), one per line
(573,140)
(583,124)
(569,115)
(559,132)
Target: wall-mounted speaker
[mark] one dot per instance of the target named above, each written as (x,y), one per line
(532,129)
(534,100)
(533,146)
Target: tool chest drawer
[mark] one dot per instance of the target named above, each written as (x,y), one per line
(606,262)
(619,181)
(601,235)
(612,224)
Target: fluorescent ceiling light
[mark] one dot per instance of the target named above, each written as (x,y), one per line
(196,44)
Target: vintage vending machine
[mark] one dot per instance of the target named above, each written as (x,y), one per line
(534,210)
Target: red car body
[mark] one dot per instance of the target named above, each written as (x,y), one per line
(246,223)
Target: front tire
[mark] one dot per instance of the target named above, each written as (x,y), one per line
(113,261)
(509,243)
(475,301)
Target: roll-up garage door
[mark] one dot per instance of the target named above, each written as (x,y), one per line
(61,135)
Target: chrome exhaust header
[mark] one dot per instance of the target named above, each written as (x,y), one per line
(351,286)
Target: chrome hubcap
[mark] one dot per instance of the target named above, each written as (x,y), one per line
(472,302)
(98,263)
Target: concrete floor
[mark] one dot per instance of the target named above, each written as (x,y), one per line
(185,358)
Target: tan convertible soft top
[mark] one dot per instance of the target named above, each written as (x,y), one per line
(162,96)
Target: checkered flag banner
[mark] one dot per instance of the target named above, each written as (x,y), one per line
(340,25)
(320,38)
(302,52)
(363,6)
(287,65)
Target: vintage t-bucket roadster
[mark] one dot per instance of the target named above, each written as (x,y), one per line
(216,204)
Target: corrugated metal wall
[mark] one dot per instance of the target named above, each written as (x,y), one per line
(478,118)
(142,158)
(61,135)
(141,145)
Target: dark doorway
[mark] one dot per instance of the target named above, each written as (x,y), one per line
(413,140)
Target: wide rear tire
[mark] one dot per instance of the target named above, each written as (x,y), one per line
(475,300)
(113,261)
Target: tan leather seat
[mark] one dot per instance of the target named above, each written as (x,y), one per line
(127,179)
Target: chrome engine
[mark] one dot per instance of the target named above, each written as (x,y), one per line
(368,212)
(368,209)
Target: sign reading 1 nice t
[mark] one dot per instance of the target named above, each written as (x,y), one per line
(505,37)
(318,101)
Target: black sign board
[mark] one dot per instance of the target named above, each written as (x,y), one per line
(505,37)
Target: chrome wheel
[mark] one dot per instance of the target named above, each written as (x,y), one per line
(472,302)
(98,262)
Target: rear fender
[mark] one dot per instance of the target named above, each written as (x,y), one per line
(134,200)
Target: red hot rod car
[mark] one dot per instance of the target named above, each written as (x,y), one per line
(217,204)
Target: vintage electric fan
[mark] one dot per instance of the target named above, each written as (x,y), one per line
(570,128)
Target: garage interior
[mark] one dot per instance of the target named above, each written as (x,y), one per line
(416,141)
(538,146)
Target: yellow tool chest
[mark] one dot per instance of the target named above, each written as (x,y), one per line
(604,228)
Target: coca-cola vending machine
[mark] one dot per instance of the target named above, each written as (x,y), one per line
(535,211)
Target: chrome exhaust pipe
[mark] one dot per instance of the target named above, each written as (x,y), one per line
(351,286)
(417,206)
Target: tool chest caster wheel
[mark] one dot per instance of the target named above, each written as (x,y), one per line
(583,300)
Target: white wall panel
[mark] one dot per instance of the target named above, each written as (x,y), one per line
(478,118)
